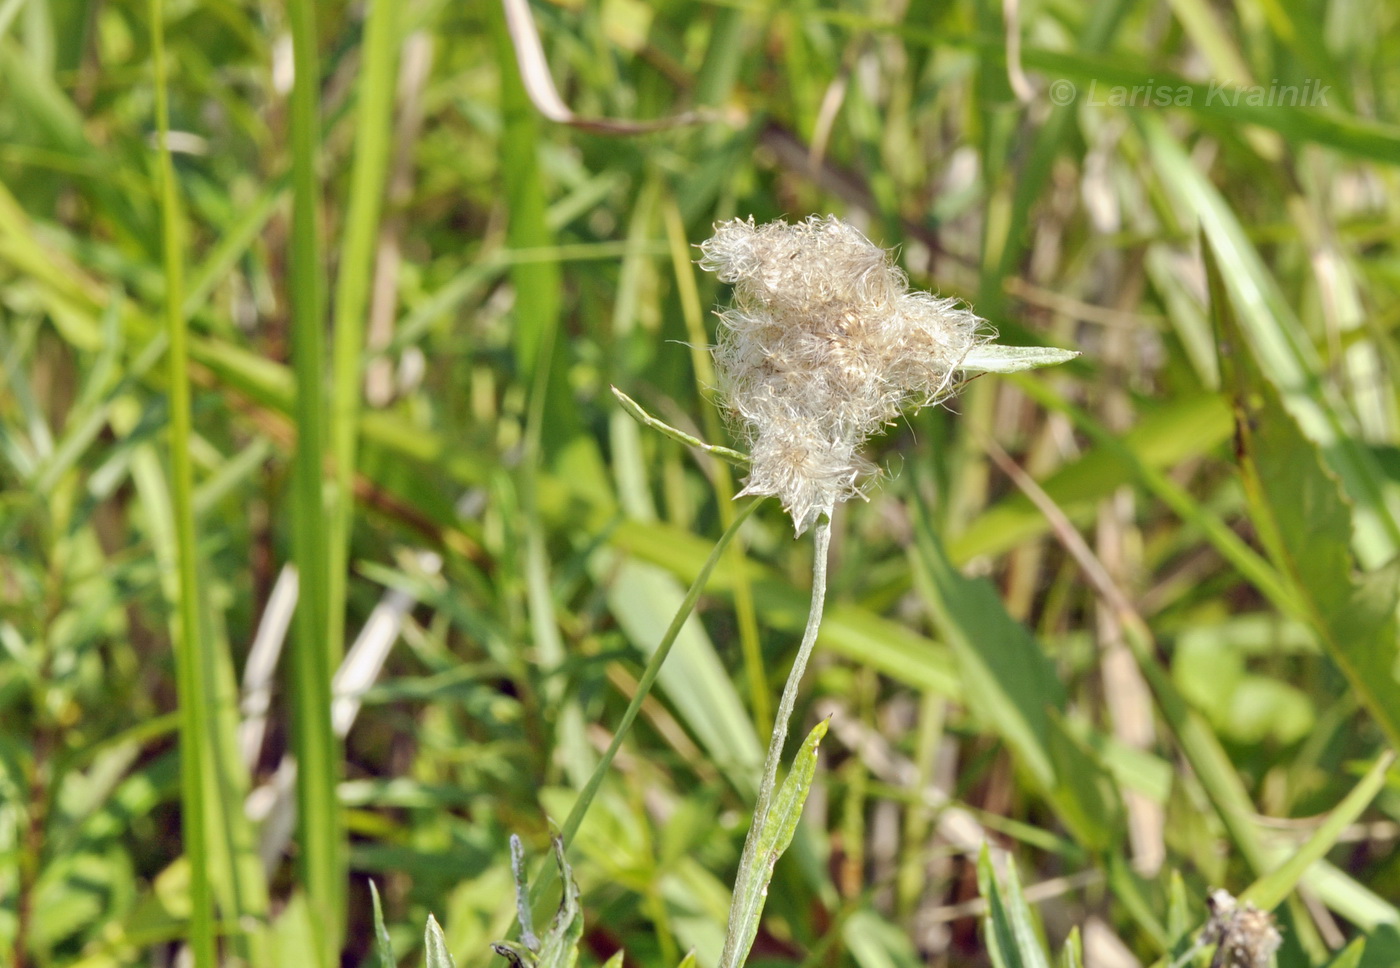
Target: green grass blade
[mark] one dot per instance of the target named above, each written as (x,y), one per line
(1350,956)
(537,283)
(233,244)
(1360,137)
(1305,522)
(998,931)
(1270,890)
(703,366)
(383,946)
(1007,679)
(194,690)
(1208,759)
(1281,346)
(356,267)
(320,840)
(1028,943)
(1072,954)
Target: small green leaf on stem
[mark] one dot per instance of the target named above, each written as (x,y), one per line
(522,894)
(779,826)
(1012,941)
(383,947)
(436,945)
(559,948)
(995,358)
(655,423)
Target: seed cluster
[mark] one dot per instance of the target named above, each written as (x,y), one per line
(824,344)
(1245,937)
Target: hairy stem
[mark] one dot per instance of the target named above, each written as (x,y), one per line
(750,864)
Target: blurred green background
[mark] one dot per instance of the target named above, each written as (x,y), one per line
(1130,620)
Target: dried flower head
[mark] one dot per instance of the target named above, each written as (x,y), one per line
(825,344)
(1245,937)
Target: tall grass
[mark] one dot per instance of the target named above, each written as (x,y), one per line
(191,644)
(320,831)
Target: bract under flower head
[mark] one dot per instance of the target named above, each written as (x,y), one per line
(824,344)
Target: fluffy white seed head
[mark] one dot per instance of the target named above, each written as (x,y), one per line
(824,344)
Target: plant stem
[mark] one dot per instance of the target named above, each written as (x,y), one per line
(652,670)
(750,865)
(586,796)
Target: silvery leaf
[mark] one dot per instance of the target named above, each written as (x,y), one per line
(995,358)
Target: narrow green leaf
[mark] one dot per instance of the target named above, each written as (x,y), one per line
(559,947)
(1276,338)
(1297,505)
(1178,917)
(751,886)
(1350,956)
(1084,792)
(1072,954)
(995,358)
(319,825)
(355,269)
(1208,759)
(435,946)
(192,660)
(383,946)
(997,929)
(1023,927)
(1008,680)
(1269,891)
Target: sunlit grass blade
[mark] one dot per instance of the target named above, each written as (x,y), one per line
(1350,956)
(1282,347)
